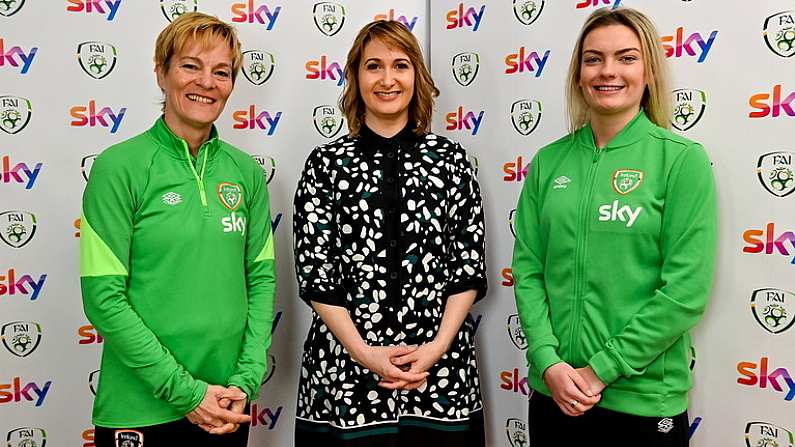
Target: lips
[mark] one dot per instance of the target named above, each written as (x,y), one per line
(200,99)
(608,88)
(387,95)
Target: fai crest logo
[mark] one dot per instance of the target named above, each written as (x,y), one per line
(175,8)
(689,106)
(128,438)
(525,115)
(17,228)
(516,429)
(85,165)
(329,17)
(764,434)
(779,33)
(26,436)
(97,59)
(21,337)
(271,369)
(465,67)
(230,194)
(93,381)
(773,309)
(775,171)
(515,332)
(626,180)
(511,215)
(15,113)
(10,7)
(258,66)
(328,120)
(268,165)
(528,11)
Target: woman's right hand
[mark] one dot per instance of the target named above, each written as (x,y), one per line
(378,359)
(214,418)
(569,390)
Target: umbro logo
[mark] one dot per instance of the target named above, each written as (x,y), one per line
(171,198)
(665,425)
(562,182)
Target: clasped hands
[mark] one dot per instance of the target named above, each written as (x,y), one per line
(221,410)
(400,367)
(574,390)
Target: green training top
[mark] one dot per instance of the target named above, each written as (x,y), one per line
(613,262)
(177,273)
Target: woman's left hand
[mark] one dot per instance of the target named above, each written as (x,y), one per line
(418,361)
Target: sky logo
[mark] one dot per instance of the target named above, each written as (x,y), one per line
(779,379)
(459,120)
(109,7)
(16,56)
(321,69)
(507,277)
(459,18)
(88,116)
(402,19)
(15,174)
(770,244)
(515,171)
(10,284)
(759,102)
(514,382)
(250,119)
(88,335)
(16,392)
(589,3)
(694,45)
(265,417)
(523,61)
(263,15)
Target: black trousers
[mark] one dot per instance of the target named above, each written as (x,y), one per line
(549,427)
(170,434)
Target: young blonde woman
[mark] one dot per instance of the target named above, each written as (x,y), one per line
(615,250)
(389,252)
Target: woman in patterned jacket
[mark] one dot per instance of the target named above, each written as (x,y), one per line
(389,253)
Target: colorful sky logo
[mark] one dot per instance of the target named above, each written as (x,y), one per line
(528,11)
(258,66)
(248,13)
(88,116)
(779,33)
(458,120)
(773,309)
(17,227)
(516,171)
(779,379)
(322,70)
(329,17)
(765,434)
(770,244)
(759,102)
(776,172)
(469,18)
(465,68)
(175,8)
(109,7)
(514,382)
(598,3)
(525,115)
(265,417)
(250,119)
(522,61)
(15,113)
(21,338)
(390,15)
(694,45)
(16,57)
(10,7)
(16,392)
(328,120)
(689,105)
(20,173)
(97,59)
(26,436)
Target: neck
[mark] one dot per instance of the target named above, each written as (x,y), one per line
(195,137)
(385,127)
(605,127)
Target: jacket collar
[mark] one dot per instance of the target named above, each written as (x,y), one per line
(175,145)
(634,131)
(405,137)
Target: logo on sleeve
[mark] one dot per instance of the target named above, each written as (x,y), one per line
(230,194)
(627,180)
(129,438)
(615,212)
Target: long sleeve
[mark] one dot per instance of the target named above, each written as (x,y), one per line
(466,230)
(106,233)
(316,243)
(261,287)
(687,241)
(528,274)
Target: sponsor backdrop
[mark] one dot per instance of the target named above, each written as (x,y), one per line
(67,94)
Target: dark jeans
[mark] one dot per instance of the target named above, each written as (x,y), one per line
(548,426)
(170,434)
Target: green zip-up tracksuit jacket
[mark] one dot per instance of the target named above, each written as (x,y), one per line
(177,274)
(613,262)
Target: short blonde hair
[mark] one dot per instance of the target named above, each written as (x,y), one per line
(393,34)
(202,28)
(656,99)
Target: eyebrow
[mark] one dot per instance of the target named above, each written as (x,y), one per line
(376,59)
(196,59)
(622,51)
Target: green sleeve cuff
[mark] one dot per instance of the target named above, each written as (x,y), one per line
(544,357)
(238,381)
(199,390)
(605,367)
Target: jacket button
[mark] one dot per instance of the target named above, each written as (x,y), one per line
(393,275)
(393,243)
(390,155)
(390,180)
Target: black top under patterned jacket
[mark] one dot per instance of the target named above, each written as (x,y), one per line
(388,228)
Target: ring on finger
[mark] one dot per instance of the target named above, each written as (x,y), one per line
(574,403)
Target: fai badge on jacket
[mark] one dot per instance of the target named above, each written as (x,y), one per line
(627,180)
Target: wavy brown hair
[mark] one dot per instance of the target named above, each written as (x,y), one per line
(393,34)
(656,100)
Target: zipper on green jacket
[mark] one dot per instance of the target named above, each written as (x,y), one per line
(199,177)
(579,266)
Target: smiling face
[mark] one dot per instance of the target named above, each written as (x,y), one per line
(612,77)
(386,85)
(196,85)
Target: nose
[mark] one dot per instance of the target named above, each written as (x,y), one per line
(387,77)
(608,69)
(205,79)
